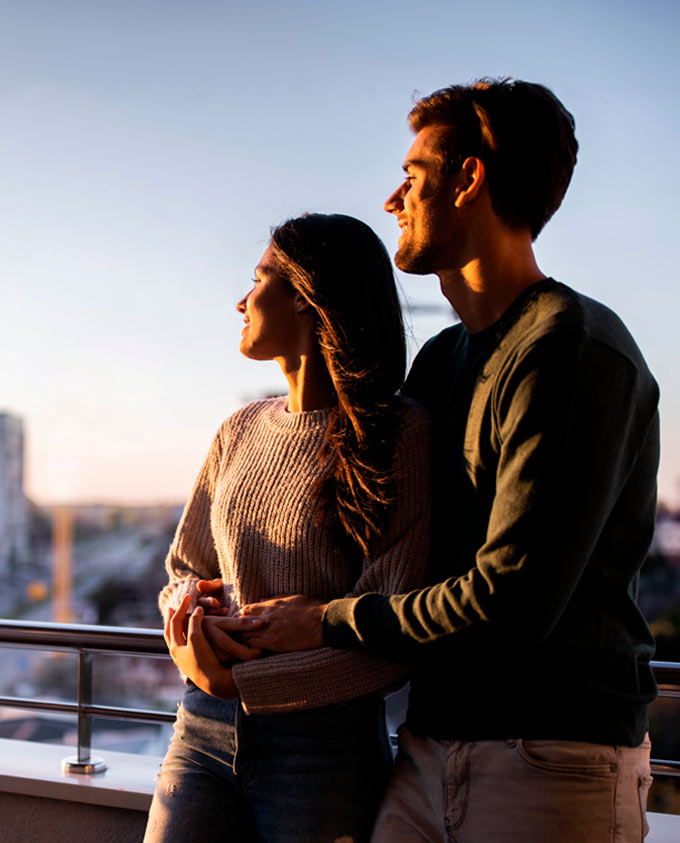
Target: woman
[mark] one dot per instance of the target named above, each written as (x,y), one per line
(323,492)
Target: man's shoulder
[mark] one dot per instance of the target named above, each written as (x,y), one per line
(433,364)
(446,340)
(440,350)
(551,307)
(559,327)
(556,310)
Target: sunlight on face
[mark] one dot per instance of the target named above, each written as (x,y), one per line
(272,325)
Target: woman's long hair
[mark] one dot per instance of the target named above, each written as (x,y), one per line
(340,267)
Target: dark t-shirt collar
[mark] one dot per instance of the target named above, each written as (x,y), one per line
(490,334)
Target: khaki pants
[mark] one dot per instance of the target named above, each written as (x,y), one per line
(515,791)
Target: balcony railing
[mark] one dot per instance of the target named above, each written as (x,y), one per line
(86,641)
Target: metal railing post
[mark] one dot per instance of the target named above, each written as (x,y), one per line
(83,762)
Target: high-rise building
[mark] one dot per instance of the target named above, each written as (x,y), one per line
(13,504)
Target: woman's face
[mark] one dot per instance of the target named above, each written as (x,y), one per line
(272,314)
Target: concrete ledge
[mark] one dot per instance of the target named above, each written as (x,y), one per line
(32,819)
(34,769)
(663,828)
(32,773)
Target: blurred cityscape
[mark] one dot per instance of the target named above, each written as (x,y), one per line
(104,564)
(91,564)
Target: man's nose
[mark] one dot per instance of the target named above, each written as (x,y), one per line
(395,202)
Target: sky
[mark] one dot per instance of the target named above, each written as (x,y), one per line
(147,147)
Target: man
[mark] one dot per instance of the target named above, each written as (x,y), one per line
(527,716)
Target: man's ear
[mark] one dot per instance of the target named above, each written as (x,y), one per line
(471,177)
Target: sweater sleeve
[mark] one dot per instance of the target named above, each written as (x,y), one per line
(575,428)
(192,555)
(301,680)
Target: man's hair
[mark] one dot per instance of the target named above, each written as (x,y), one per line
(521,132)
(341,269)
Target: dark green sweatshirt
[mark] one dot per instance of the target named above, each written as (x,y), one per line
(546,449)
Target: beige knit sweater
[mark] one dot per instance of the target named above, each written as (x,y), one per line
(252,520)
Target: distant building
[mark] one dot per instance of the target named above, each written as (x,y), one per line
(13,503)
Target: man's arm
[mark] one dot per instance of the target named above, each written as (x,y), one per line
(574,421)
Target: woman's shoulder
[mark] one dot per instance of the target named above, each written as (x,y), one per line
(411,414)
(248,416)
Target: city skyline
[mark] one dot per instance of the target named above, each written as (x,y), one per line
(148,147)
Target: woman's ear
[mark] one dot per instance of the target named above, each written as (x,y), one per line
(301,304)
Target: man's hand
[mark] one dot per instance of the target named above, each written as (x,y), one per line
(193,655)
(288,623)
(216,629)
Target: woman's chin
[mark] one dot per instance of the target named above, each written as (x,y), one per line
(252,352)
(245,347)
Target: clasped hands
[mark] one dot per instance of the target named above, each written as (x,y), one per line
(203,645)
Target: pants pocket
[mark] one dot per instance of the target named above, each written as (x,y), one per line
(644,784)
(569,757)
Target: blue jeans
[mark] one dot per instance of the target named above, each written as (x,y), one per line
(312,776)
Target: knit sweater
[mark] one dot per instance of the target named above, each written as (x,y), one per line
(253,519)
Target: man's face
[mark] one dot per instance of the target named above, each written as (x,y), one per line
(424,208)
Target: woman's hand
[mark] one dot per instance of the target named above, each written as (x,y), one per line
(216,629)
(211,596)
(193,655)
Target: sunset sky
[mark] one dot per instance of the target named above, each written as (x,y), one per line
(148,145)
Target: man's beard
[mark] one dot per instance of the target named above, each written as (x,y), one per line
(416,258)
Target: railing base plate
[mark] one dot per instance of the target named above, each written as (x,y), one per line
(73,765)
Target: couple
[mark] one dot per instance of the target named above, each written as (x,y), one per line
(529,658)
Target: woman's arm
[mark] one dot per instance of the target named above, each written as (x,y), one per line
(193,558)
(323,676)
(192,554)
